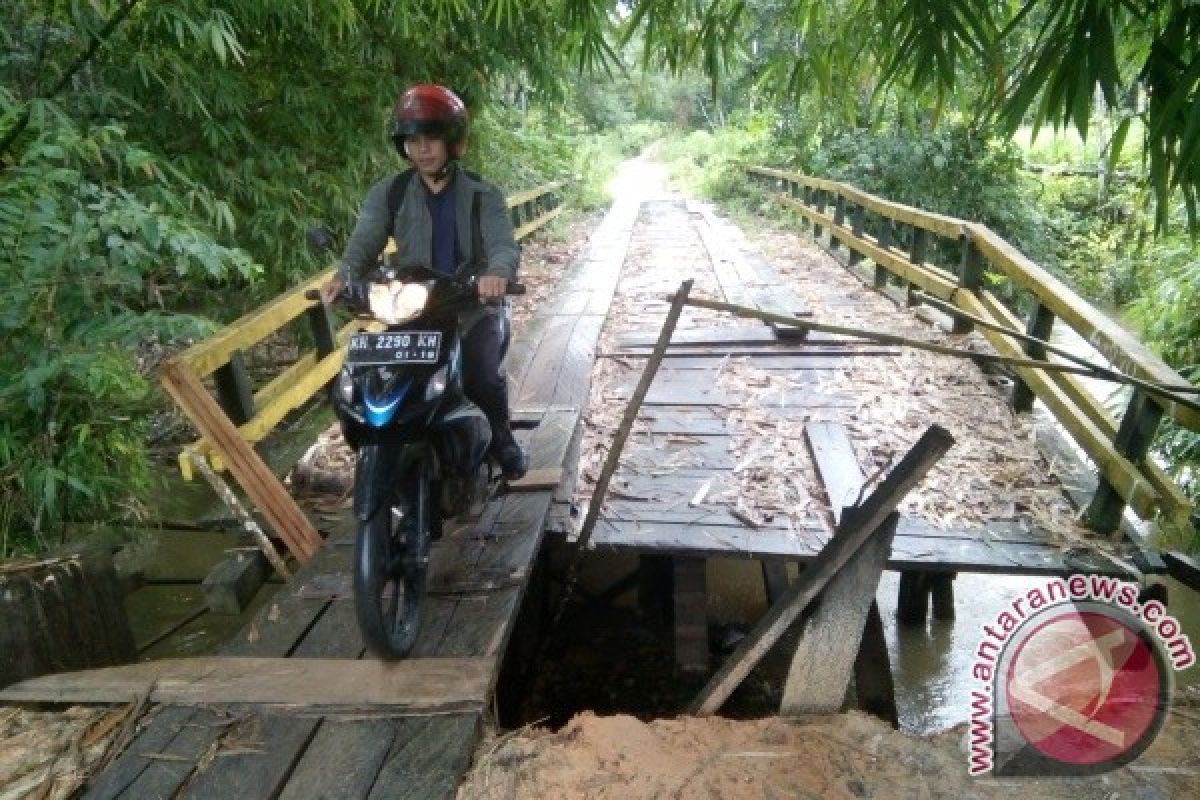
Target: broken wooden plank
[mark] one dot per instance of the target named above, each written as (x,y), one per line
(229,586)
(837,465)
(254,476)
(537,479)
(855,529)
(426,685)
(824,659)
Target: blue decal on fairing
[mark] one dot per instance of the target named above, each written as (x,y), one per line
(379,415)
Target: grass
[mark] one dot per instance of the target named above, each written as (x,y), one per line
(1066,146)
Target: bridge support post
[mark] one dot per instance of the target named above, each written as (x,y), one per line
(839,219)
(970,278)
(1041,323)
(917,255)
(235,392)
(819,199)
(858,221)
(885,243)
(1133,440)
(912,603)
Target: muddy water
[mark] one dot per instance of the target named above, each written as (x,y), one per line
(932,663)
(167,615)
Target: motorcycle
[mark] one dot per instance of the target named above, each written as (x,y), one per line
(420,445)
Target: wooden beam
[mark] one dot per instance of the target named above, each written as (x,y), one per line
(533,224)
(1115,343)
(855,529)
(537,480)
(933,280)
(254,476)
(247,331)
(418,686)
(521,198)
(824,659)
(934,223)
(1087,423)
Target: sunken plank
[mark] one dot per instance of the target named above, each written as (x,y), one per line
(837,465)
(825,655)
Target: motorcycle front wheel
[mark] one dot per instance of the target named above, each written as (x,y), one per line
(391,559)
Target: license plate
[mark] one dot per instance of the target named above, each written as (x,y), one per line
(403,347)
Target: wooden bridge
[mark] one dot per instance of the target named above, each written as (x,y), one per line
(291,708)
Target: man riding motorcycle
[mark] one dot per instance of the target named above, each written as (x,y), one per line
(457,224)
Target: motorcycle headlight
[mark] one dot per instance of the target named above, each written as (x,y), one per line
(395,302)
(345,386)
(437,383)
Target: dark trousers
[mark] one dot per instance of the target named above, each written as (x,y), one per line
(484,378)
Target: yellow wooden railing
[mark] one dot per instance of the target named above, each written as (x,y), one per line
(1118,448)
(242,415)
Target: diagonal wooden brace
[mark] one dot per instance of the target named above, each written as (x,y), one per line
(260,484)
(856,527)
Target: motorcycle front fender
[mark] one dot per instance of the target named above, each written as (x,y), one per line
(376,471)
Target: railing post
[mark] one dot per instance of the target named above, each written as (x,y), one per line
(885,243)
(920,246)
(839,219)
(970,277)
(1041,323)
(321,323)
(858,222)
(235,392)
(820,203)
(1133,441)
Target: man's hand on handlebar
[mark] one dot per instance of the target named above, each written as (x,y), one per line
(492,287)
(332,288)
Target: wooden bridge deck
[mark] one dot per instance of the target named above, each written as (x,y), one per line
(684,444)
(479,574)
(477,584)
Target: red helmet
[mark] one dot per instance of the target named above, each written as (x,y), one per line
(434,111)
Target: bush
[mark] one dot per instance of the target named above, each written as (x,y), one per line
(954,170)
(713,164)
(85,269)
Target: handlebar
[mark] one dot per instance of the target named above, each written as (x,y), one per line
(354,293)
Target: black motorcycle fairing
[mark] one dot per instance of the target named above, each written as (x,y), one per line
(461,438)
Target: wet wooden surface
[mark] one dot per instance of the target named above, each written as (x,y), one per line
(478,576)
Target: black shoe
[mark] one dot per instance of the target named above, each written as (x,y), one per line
(513,461)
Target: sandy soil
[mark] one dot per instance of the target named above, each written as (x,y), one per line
(844,756)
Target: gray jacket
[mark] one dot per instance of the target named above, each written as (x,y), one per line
(413,229)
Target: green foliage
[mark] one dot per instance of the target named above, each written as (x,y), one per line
(1039,61)
(83,262)
(713,164)
(1168,313)
(954,170)
(162,161)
